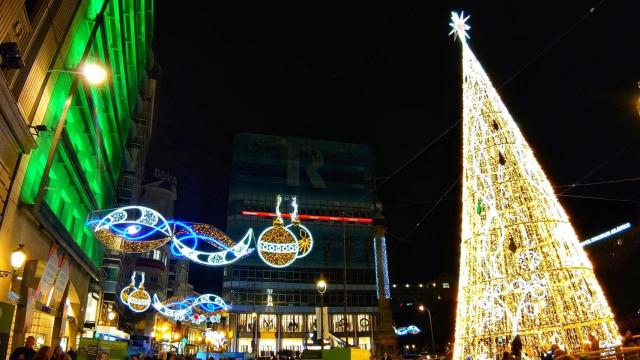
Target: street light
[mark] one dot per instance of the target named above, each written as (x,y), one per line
(321,286)
(18,257)
(94,73)
(423,308)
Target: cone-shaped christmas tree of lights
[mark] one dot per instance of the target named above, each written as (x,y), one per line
(522,269)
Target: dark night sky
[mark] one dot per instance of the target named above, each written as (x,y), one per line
(389,76)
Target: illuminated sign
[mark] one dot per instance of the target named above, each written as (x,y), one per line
(606,234)
(407,330)
(311,217)
(137,299)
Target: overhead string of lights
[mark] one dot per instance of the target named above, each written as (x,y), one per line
(136,229)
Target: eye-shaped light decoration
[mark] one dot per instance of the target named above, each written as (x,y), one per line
(207,307)
(130,229)
(407,330)
(188,235)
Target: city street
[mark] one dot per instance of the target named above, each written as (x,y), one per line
(216,180)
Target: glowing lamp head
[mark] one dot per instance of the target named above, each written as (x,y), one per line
(94,73)
(421,307)
(321,285)
(18,257)
(111,315)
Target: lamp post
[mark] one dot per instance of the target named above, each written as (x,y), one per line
(321,286)
(93,73)
(423,308)
(18,257)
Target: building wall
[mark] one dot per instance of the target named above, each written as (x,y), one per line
(329,179)
(87,151)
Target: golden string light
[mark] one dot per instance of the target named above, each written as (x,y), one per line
(522,269)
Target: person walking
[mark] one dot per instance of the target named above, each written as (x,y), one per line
(44,353)
(516,347)
(25,352)
(59,354)
(72,354)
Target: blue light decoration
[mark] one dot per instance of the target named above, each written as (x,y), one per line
(385,267)
(407,330)
(135,229)
(188,235)
(207,307)
(606,234)
(130,229)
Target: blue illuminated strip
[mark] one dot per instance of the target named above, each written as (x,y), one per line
(606,234)
(375,261)
(385,269)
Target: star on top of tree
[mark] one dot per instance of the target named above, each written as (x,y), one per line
(459,26)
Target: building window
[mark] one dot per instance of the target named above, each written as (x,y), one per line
(41,328)
(291,323)
(156,254)
(267,322)
(445,285)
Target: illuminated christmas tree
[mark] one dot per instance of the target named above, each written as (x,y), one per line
(522,269)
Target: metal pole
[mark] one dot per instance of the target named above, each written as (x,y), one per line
(433,346)
(344,251)
(321,327)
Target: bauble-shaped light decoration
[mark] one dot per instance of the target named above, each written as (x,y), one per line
(305,239)
(137,299)
(277,246)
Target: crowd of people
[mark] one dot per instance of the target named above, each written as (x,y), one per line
(27,352)
(555,352)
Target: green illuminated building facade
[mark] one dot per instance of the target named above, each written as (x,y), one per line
(51,179)
(88,156)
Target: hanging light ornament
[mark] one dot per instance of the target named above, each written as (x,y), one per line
(278,246)
(131,229)
(196,309)
(127,290)
(137,299)
(305,239)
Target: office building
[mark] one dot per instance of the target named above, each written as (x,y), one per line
(274,309)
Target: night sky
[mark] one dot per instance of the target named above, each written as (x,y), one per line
(390,76)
